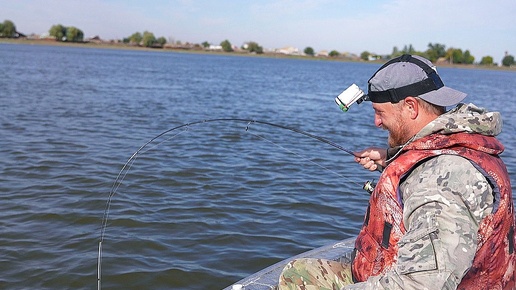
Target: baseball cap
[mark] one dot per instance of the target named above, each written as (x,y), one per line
(409,75)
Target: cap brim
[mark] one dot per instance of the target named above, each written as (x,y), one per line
(444,96)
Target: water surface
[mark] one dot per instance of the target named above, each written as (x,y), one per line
(205,206)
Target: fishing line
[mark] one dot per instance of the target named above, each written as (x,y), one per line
(147,147)
(303,158)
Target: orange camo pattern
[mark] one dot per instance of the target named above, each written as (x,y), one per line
(493,266)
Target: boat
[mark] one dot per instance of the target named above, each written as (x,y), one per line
(267,279)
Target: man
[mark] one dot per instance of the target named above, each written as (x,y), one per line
(441,215)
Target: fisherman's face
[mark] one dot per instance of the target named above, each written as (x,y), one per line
(389,116)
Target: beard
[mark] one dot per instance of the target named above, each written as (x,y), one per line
(398,133)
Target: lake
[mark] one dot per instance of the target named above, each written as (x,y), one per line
(203,205)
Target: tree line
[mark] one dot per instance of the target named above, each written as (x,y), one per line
(146,39)
(438,52)
(434,52)
(64,33)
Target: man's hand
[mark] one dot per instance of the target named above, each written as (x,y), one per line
(371,158)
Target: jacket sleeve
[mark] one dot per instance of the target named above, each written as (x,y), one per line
(445,198)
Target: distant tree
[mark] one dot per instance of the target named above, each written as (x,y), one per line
(74,34)
(63,33)
(395,52)
(58,31)
(205,44)
(148,39)
(334,53)
(254,47)
(309,51)
(455,55)
(7,29)
(435,51)
(365,55)
(487,60)
(508,60)
(226,46)
(408,49)
(467,58)
(161,40)
(136,38)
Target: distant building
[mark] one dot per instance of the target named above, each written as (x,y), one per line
(215,47)
(349,55)
(323,53)
(442,60)
(95,39)
(288,50)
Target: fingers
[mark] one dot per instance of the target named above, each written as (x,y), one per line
(363,153)
(372,158)
(374,153)
(367,163)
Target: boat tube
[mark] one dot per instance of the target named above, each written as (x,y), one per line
(267,279)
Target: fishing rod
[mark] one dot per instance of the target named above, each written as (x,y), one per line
(125,169)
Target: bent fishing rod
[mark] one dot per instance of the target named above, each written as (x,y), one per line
(125,169)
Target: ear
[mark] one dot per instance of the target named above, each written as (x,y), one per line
(412,106)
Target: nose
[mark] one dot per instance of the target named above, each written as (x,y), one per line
(377,121)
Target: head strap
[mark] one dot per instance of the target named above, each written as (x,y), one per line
(394,95)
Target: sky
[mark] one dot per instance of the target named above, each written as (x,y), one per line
(484,27)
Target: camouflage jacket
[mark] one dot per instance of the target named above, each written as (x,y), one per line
(445,200)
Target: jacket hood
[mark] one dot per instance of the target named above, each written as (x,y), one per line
(465,118)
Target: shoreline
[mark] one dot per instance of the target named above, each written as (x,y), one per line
(122,46)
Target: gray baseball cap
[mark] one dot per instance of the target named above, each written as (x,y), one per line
(414,76)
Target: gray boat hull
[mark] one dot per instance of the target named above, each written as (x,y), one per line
(267,278)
